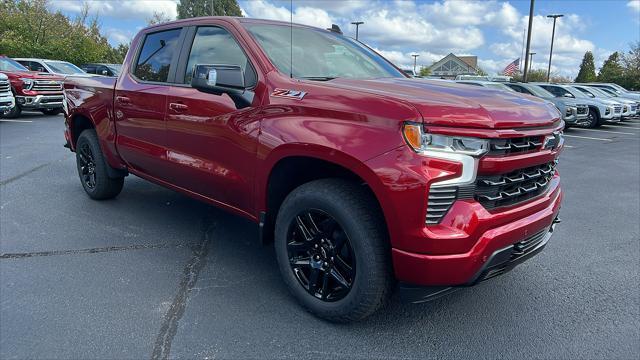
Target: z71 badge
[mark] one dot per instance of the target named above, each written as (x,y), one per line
(289,94)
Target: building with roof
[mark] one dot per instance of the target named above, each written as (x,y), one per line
(451,66)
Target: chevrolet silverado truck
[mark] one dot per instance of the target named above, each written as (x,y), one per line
(7,102)
(32,90)
(365,180)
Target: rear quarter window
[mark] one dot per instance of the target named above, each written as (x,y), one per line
(154,60)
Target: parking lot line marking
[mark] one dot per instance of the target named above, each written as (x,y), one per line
(19,121)
(587,137)
(607,131)
(628,126)
(90,251)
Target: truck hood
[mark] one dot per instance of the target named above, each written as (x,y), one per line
(449,104)
(32,75)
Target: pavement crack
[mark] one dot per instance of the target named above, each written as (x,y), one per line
(30,171)
(88,251)
(191,272)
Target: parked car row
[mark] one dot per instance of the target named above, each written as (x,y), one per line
(583,105)
(36,84)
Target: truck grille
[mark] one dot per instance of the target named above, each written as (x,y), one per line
(515,187)
(47,85)
(617,109)
(514,145)
(5,86)
(441,198)
(582,109)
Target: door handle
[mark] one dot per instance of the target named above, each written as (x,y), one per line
(123,100)
(179,108)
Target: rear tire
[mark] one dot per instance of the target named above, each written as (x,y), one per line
(92,168)
(347,234)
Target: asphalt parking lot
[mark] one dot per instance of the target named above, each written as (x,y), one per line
(154,274)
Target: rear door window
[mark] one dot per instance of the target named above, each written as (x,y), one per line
(155,58)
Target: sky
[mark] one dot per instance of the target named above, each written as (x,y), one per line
(491,29)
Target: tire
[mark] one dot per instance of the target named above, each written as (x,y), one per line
(14,113)
(52,112)
(348,217)
(593,120)
(92,168)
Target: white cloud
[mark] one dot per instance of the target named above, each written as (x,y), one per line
(302,15)
(634,5)
(118,36)
(404,60)
(122,9)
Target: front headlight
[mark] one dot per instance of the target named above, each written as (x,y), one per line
(27,84)
(421,141)
(608,110)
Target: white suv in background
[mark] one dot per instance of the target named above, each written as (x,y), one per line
(57,67)
(7,101)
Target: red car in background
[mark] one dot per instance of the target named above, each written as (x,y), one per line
(32,90)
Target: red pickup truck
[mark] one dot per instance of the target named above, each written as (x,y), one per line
(364,179)
(32,90)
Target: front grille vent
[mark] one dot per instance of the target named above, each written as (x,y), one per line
(582,109)
(5,86)
(47,85)
(515,187)
(439,202)
(617,109)
(514,145)
(525,246)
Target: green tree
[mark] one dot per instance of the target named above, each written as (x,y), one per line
(425,71)
(195,8)
(587,72)
(631,63)
(611,70)
(29,29)
(158,18)
(537,75)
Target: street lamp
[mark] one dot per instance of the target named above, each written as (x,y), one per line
(553,34)
(357,24)
(526,57)
(415,59)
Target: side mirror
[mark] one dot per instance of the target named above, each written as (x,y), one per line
(222,79)
(567,95)
(104,72)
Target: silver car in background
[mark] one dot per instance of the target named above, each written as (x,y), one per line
(574,113)
(7,101)
(600,110)
(628,106)
(635,103)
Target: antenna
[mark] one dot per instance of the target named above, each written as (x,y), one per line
(291,40)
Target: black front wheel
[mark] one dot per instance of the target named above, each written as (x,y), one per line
(592,120)
(332,249)
(13,113)
(92,168)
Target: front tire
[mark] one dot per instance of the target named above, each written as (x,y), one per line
(333,249)
(593,119)
(92,168)
(13,113)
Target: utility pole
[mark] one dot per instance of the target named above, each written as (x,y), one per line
(415,59)
(531,59)
(526,59)
(553,34)
(357,24)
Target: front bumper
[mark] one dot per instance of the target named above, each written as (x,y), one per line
(39,102)
(500,262)
(7,102)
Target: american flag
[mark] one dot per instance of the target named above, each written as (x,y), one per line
(511,68)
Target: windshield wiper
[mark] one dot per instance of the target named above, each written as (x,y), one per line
(317,78)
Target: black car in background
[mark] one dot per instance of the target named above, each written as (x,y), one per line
(102,69)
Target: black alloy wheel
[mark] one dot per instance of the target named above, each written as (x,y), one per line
(87,166)
(320,255)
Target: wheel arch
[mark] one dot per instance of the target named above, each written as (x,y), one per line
(286,169)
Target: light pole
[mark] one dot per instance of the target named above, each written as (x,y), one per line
(415,59)
(531,59)
(553,34)
(357,24)
(526,59)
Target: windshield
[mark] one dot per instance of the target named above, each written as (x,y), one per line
(600,93)
(115,68)
(587,92)
(538,91)
(318,54)
(62,67)
(7,64)
(577,94)
(498,86)
(609,91)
